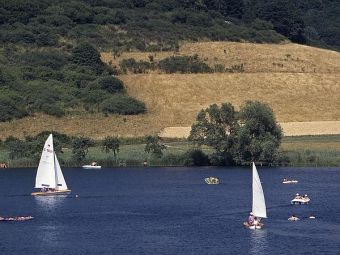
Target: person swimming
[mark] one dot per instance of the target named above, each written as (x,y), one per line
(293,218)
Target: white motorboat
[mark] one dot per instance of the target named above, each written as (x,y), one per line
(300,201)
(212,180)
(259,205)
(50,179)
(289,181)
(92,166)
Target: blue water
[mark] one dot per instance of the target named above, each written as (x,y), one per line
(170,211)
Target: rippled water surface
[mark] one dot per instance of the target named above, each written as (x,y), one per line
(170,211)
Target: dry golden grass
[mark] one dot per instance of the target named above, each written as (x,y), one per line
(306,88)
(175,99)
(255,57)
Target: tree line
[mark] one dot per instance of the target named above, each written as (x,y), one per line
(44,23)
(234,138)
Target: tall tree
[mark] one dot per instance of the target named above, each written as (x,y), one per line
(80,148)
(111,143)
(237,137)
(154,145)
(216,127)
(259,135)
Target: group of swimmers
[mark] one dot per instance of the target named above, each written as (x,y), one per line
(298,196)
(295,218)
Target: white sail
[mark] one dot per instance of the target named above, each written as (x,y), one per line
(60,181)
(46,174)
(259,204)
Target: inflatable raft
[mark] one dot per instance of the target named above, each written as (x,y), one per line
(212,180)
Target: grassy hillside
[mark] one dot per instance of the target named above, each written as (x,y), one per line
(270,58)
(300,83)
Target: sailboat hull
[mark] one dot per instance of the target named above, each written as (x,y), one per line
(260,226)
(52,193)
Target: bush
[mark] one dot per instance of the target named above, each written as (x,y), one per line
(52,109)
(9,110)
(196,157)
(111,84)
(52,59)
(122,104)
(85,54)
(184,64)
(136,67)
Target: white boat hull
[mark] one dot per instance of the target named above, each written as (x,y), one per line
(246,225)
(91,167)
(300,201)
(289,182)
(51,193)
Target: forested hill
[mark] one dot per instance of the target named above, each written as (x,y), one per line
(50,50)
(159,24)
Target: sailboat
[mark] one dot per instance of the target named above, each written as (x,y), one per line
(49,177)
(259,205)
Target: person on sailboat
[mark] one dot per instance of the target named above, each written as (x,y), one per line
(257,221)
(251,219)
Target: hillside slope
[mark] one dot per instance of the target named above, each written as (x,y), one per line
(300,83)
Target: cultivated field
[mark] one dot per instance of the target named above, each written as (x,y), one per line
(300,83)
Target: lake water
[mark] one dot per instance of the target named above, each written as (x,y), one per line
(170,211)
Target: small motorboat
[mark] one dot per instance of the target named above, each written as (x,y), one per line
(212,180)
(300,200)
(286,181)
(93,165)
(16,218)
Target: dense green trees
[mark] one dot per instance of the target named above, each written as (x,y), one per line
(54,82)
(251,134)
(45,23)
(80,148)
(31,146)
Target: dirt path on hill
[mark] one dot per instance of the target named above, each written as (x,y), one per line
(289,129)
